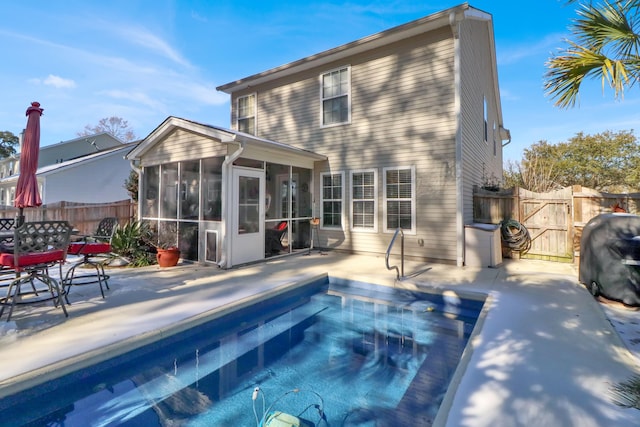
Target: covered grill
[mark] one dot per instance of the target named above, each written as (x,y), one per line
(610,257)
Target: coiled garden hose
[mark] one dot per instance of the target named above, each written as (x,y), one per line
(515,236)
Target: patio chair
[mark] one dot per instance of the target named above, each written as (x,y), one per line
(94,251)
(273,238)
(37,247)
(7,225)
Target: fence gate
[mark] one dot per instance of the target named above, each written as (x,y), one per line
(547,216)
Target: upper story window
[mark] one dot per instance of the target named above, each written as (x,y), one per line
(495,142)
(247,114)
(332,199)
(336,97)
(485,113)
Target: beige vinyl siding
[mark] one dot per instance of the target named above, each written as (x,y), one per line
(477,80)
(402,115)
(181,145)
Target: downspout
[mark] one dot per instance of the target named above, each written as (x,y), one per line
(226,189)
(455,29)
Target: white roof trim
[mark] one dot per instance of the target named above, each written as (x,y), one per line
(413,28)
(225,136)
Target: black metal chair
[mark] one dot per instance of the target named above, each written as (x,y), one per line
(37,247)
(7,225)
(95,251)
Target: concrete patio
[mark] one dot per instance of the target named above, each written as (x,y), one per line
(545,354)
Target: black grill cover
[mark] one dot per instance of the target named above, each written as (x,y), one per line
(610,256)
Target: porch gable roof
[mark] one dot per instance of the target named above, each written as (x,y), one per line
(225,136)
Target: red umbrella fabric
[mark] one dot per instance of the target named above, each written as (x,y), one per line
(27,193)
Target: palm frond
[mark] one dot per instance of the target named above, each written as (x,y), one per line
(627,393)
(610,27)
(607,45)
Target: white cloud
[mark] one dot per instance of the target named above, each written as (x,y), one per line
(545,46)
(55,81)
(202,93)
(150,41)
(196,16)
(59,82)
(135,96)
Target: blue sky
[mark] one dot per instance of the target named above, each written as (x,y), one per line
(146,60)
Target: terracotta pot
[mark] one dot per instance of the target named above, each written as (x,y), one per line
(168,257)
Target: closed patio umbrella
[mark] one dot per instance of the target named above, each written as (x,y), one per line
(27,193)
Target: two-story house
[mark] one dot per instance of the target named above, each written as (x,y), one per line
(390,131)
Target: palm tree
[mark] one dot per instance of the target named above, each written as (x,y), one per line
(607,45)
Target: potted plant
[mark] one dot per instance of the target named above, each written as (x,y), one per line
(165,243)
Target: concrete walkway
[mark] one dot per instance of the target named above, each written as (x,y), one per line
(545,354)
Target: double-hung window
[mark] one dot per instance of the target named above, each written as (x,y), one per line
(332,195)
(399,199)
(364,200)
(247,114)
(335,93)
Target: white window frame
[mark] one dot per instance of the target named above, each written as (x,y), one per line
(494,133)
(352,227)
(341,200)
(255,112)
(412,199)
(322,98)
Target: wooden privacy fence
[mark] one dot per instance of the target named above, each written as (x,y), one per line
(82,216)
(555,219)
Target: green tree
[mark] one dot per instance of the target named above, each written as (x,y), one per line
(606,45)
(131,185)
(8,144)
(538,169)
(608,161)
(512,175)
(115,126)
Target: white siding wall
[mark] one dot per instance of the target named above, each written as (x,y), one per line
(183,145)
(402,115)
(477,80)
(99,181)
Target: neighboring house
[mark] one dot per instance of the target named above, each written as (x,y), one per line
(393,130)
(62,151)
(75,171)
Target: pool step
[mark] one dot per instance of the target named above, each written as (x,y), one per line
(148,394)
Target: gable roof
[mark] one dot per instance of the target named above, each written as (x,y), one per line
(440,19)
(58,167)
(225,136)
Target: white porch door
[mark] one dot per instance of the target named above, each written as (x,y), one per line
(248,216)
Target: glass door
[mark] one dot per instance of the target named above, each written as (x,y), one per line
(248,216)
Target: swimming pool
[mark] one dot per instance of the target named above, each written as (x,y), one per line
(334,352)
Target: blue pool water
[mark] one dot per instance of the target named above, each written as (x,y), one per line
(337,353)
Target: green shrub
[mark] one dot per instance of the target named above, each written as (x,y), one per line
(129,242)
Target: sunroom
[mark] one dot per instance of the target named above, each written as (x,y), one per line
(223,196)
